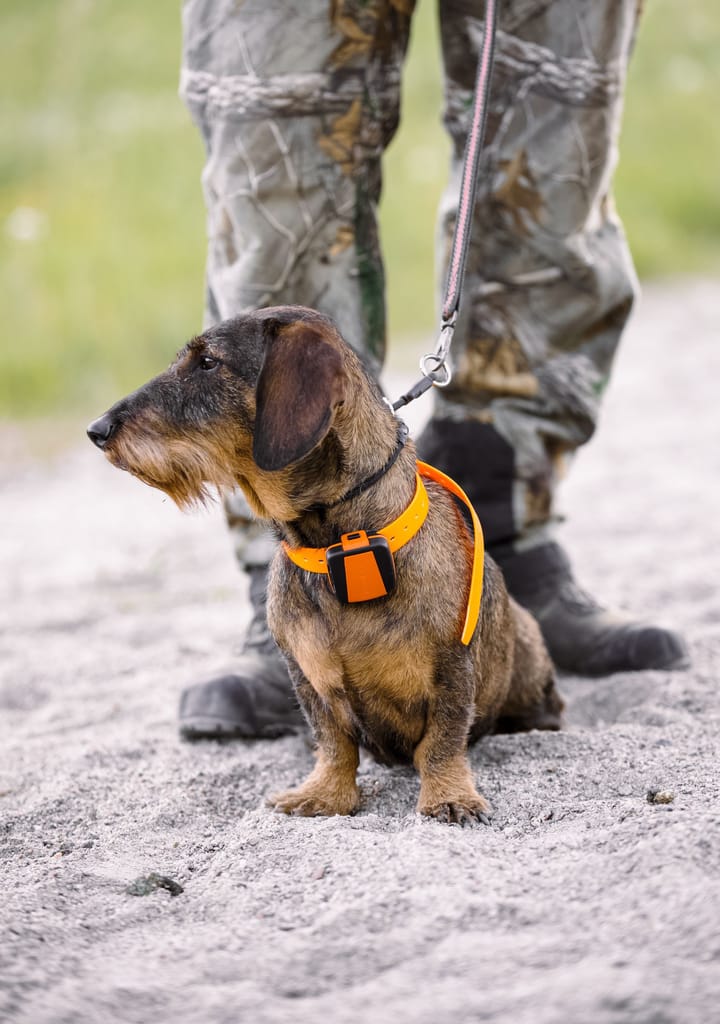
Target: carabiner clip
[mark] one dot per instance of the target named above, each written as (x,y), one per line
(434,364)
(436,369)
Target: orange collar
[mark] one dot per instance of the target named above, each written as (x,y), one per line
(403,529)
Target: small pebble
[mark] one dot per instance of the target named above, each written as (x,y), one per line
(150,883)
(659,796)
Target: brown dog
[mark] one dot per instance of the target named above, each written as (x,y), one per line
(277,403)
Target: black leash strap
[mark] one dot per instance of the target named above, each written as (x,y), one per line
(434,364)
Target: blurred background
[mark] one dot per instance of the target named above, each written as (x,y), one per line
(102,237)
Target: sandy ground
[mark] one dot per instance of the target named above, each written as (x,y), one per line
(583,902)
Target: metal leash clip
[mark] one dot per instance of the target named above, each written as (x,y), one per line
(434,365)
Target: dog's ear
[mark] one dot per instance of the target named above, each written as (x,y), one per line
(301,384)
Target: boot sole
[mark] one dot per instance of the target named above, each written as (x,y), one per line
(199,727)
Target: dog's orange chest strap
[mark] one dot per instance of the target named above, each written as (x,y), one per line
(361,566)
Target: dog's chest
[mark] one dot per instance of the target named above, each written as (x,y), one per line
(377,686)
(377,667)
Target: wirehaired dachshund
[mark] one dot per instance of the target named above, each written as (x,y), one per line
(378,650)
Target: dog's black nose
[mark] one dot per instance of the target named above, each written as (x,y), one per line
(100,431)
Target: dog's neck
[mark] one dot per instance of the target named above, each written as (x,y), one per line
(371,486)
(369,481)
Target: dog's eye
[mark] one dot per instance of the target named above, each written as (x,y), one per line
(208,362)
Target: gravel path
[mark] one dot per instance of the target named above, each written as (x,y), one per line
(583,902)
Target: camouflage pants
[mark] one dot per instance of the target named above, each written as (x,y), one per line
(296,101)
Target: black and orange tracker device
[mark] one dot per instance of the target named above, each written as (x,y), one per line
(361,567)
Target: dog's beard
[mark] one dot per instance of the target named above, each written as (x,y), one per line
(178,466)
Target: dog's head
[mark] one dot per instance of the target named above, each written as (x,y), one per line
(255,401)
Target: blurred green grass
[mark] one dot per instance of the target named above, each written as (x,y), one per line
(101,214)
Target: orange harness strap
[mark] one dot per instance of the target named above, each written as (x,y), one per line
(478,567)
(403,529)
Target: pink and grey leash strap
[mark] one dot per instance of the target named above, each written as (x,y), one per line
(434,364)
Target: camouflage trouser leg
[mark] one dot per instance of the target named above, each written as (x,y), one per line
(296,101)
(550,282)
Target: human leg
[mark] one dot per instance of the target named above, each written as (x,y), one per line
(295,102)
(548,291)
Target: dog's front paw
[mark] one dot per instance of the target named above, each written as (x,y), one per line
(309,802)
(460,812)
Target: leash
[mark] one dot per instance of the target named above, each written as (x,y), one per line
(434,366)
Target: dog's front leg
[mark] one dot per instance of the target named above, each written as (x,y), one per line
(447,789)
(331,788)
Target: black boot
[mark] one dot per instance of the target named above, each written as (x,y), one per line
(256,701)
(581,636)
